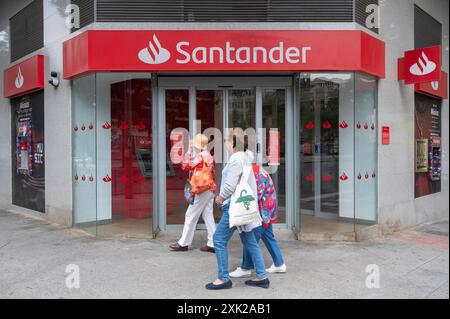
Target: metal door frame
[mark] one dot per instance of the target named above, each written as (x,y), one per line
(225,83)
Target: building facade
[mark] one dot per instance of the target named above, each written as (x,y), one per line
(356,145)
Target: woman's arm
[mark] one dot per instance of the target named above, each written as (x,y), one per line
(190,163)
(234,172)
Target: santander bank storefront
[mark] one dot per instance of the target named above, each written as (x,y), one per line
(306,99)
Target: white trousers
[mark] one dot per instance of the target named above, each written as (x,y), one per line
(202,206)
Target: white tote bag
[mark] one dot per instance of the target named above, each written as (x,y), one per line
(244,204)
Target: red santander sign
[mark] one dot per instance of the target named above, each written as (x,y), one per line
(436,89)
(24,77)
(223,50)
(421,65)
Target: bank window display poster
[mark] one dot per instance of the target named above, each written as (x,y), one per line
(421,155)
(27,151)
(427,145)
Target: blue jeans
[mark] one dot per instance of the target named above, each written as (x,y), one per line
(268,238)
(222,237)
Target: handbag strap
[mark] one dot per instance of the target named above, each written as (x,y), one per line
(245,172)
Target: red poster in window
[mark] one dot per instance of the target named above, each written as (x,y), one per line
(422,65)
(385,135)
(274,147)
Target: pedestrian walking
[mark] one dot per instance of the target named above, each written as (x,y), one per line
(200,164)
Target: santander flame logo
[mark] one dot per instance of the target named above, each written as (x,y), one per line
(435,85)
(19,79)
(154,53)
(423,66)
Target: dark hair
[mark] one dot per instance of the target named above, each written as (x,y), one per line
(245,142)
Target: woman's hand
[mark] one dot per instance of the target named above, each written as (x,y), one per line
(219,200)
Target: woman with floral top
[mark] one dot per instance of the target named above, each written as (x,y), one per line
(195,161)
(268,208)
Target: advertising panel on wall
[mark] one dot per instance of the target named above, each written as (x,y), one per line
(27,152)
(427,145)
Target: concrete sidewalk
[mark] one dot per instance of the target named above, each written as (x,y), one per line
(34,256)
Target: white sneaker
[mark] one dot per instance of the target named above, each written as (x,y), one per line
(274,269)
(239,272)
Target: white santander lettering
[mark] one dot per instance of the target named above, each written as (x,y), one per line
(229,49)
(246,59)
(242,55)
(202,58)
(304,50)
(272,52)
(211,54)
(263,53)
(293,55)
(180,50)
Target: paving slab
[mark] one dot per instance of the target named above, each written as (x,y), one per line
(34,256)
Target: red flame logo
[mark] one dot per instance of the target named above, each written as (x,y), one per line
(358,125)
(343,177)
(423,66)
(373,127)
(124,126)
(366,126)
(75,128)
(310,125)
(91,178)
(367,175)
(326,125)
(154,53)
(140,126)
(76,177)
(20,80)
(373,174)
(83,127)
(83,178)
(107,179)
(91,126)
(106,125)
(359,176)
(343,124)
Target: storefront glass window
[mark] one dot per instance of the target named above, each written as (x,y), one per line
(273,118)
(84,163)
(112,141)
(366,149)
(326,152)
(209,111)
(338,152)
(177,119)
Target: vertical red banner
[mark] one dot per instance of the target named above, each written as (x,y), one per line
(385,135)
(274,147)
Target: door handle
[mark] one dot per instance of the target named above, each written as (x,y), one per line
(316,148)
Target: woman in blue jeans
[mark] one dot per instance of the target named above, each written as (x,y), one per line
(231,174)
(268,208)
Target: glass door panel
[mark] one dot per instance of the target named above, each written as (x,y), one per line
(209,111)
(177,116)
(124,161)
(308,150)
(326,152)
(273,112)
(329,149)
(242,112)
